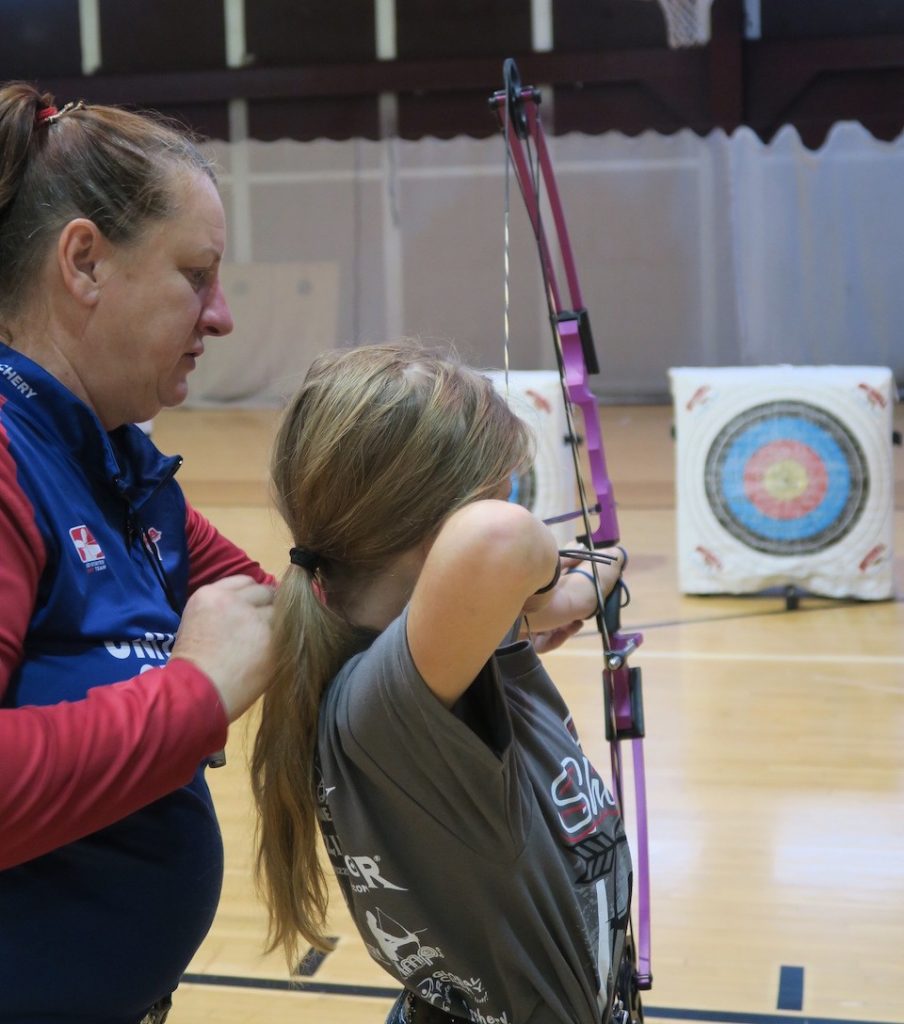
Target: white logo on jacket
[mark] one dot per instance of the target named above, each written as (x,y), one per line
(87,548)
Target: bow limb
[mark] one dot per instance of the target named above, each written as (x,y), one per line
(517,110)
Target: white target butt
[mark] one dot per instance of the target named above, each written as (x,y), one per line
(784,478)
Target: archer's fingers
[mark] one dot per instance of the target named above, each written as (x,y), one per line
(552,639)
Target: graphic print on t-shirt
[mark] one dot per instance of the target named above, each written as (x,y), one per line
(397,947)
(589,825)
(401,950)
(587,815)
(358,872)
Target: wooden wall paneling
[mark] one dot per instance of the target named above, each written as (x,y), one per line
(794,19)
(440,30)
(814,83)
(312,69)
(643,86)
(636,91)
(725,65)
(285,33)
(862,96)
(446,114)
(39,39)
(656,89)
(309,118)
(206,120)
(167,36)
(607,25)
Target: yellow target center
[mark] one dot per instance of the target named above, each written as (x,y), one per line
(785,480)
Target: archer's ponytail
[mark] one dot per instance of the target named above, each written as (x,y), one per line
(379,445)
(309,644)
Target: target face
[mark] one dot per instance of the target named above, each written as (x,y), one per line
(786,478)
(524,489)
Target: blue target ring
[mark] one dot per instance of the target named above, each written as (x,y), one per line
(786,478)
(524,489)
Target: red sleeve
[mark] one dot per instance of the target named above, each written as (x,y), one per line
(69,769)
(22,560)
(212,557)
(72,768)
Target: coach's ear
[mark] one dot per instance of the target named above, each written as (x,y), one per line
(82,260)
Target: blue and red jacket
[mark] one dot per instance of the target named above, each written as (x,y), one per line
(110,854)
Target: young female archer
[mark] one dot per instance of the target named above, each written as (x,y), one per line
(481,856)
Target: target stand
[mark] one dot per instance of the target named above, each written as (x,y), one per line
(547,488)
(784,480)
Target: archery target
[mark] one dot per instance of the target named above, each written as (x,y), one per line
(547,487)
(784,477)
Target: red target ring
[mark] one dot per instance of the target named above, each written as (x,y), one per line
(785,479)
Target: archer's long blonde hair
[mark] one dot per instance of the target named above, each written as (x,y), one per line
(380,444)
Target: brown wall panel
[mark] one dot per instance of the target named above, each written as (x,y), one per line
(39,39)
(209,120)
(166,35)
(456,28)
(861,96)
(434,29)
(312,70)
(446,114)
(607,24)
(789,19)
(628,108)
(340,117)
(322,31)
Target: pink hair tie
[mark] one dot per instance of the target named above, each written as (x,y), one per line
(51,114)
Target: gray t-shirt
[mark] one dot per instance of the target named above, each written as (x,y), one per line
(481,855)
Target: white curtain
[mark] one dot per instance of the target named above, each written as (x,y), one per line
(691,251)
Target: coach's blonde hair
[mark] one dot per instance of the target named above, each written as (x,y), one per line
(380,444)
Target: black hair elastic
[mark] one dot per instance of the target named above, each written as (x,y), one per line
(307,560)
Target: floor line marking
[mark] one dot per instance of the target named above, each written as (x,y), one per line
(376,992)
(790,988)
(645,654)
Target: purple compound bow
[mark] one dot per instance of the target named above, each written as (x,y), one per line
(517,110)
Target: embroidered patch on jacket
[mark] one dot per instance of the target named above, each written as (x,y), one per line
(89,551)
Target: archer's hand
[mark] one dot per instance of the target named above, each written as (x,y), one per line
(574,597)
(553,638)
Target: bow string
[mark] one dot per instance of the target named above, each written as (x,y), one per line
(527,155)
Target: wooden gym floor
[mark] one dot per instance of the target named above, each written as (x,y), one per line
(775,774)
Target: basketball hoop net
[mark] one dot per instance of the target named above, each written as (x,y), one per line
(687,21)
